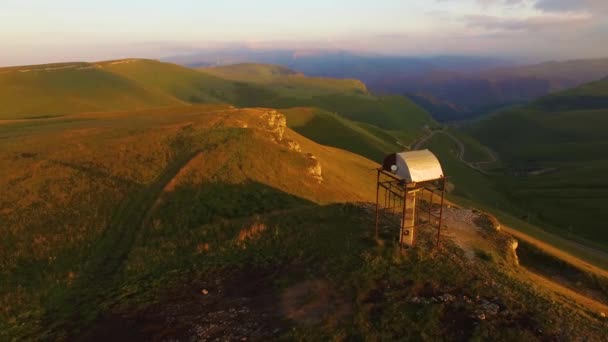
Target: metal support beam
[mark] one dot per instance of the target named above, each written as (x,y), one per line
(403,218)
(441,212)
(396,190)
(377,203)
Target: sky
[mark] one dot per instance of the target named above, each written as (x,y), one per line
(43,31)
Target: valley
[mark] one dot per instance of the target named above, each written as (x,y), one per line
(553,152)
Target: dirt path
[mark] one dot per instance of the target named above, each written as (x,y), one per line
(82,300)
(461,228)
(416,145)
(73,309)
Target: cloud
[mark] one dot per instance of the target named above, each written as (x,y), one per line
(536,23)
(594,6)
(487,3)
(556,6)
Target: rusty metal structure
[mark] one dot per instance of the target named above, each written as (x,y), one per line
(409,185)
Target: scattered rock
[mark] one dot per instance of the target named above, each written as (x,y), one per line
(490,308)
(204,292)
(251,231)
(481,316)
(294,146)
(602,314)
(447,297)
(202,247)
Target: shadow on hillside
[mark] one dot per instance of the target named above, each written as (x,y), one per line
(98,174)
(231,287)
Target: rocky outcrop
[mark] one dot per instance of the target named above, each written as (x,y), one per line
(514,244)
(293,146)
(315,169)
(475,307)
(275,123)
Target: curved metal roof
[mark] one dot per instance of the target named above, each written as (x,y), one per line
(416,166)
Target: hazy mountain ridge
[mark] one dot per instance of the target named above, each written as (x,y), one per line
(473,85)
(479,93)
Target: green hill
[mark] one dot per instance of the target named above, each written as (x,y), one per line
(260,85)
(130,84)
(57,89)
(249,72)
(347,98)
(556,150)
(553,128)
(183,83)
(287,82)
(99,179)
(333,130)
(589,96)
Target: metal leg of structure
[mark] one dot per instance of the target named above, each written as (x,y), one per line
(403,217)
(377,201)
(385,200)
(441,210)
(431,207)
(394,205)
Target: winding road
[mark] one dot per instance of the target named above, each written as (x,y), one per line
(461,150)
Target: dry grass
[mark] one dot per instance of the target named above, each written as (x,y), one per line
(64,181)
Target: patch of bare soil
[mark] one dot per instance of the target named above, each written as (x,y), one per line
(238,308)
(461,226)
(313,301)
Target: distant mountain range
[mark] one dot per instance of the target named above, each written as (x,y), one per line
(337,63)
(451,88)
(360,122)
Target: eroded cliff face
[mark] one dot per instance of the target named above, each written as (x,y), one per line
(513,244)
(275,123)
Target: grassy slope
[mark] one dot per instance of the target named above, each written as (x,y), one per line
(137,83)
(276,86)
(49,90)
(468,184)
(330,129)
(183,83)
(287,82)
(100,189)
(557,135)
(109,211)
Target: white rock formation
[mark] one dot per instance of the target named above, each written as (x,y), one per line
(514,244)
(315,169)
(292,145)
(276,123)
